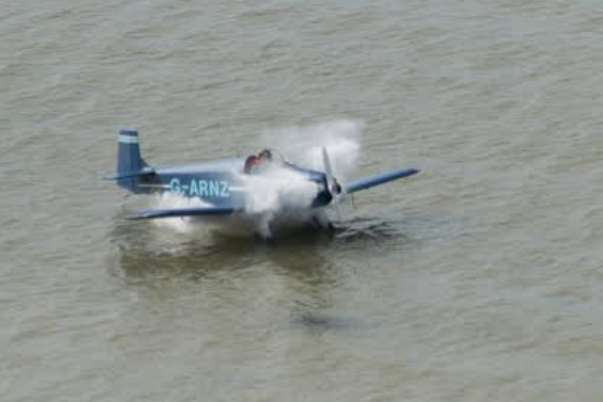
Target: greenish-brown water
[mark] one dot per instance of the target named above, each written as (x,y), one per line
(480,279)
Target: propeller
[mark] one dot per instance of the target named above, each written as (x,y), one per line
(334,187)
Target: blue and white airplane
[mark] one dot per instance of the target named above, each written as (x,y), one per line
(228,188)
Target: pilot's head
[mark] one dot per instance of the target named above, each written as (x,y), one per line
(265,154)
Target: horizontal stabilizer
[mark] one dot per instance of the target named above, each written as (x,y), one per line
(146,171)
(182,212)
(376,180)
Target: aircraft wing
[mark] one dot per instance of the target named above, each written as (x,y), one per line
(379,179)
(182,212)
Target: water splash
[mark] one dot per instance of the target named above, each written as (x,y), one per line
(303,145)
(276,188)
(283,191)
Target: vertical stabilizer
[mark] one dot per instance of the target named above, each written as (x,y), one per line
(129,161)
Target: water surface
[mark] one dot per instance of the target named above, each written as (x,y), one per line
(478,280)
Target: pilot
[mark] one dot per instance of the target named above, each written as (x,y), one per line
(254,164)
(251,164)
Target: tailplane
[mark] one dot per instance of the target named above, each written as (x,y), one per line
(130,164)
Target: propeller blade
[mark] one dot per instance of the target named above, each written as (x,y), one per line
(334,187)
(327,165)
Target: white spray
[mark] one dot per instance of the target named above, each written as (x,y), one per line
(303,145)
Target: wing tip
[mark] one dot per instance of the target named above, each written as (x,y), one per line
(379,179)
(137,217)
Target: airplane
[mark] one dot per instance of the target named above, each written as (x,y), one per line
(236,189)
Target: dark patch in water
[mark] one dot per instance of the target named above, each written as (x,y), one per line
(321,322)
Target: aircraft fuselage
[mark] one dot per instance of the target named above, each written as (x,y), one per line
(220,183)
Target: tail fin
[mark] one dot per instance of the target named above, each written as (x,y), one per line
(129,162)
(128,153)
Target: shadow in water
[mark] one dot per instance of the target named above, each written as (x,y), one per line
(318,322)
